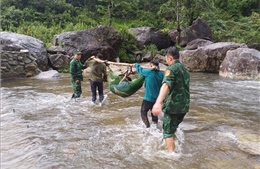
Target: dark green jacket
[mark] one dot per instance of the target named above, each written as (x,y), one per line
(177,77)
(76,70)
(98,72)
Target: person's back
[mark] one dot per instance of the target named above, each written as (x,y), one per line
(178,100)
(153,81)
(174,97)
(97,72)
(98,75)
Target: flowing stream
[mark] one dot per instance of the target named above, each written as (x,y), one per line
(42,129)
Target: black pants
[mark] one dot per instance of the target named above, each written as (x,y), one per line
(94,87)
(146,106)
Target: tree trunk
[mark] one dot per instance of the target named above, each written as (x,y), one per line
(178,38)
(110,6)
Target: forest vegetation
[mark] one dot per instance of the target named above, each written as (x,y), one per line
(230,20)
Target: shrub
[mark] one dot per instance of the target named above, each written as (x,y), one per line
(150,48)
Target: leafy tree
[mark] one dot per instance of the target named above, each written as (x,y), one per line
(150,5)
(150,48)
(235,9)
(188,10)
(230,20)
(128,47)
(104,8)
(194,9)
(117,9)
(90,4)
(19,4)
(11,19)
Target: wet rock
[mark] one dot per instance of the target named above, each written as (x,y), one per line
(15,42)
(56,50)
(59,60)
(195,44)
(48,74)
(148,35)
(249,143)
(207,58)
(198,30)
(101,39)
(241,63)
(18,64)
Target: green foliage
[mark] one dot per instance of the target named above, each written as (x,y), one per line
(167,11)
(128,47)
(150,48)
(39,31)
(246,30)
(235,9)
(162,52)
(11,19)
(123,56)
(65,69)
(165,30)
(230,20)
(125,9)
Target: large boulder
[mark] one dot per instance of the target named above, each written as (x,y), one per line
(207,58)
(59,60)
(254,46)
(18,64)
(195,44)
(198,30)
(50,74)
(241,63)
(160,58)
(56,50)
(10,41)
(147,35)
(101,39)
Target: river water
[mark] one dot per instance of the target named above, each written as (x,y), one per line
(41,129)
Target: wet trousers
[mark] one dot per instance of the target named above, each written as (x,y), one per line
(76,89)
(94,87)
(146,106)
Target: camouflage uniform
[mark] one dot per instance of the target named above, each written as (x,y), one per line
(76,74)
(177,101)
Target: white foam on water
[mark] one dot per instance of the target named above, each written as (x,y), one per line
(150,143)
(228,135)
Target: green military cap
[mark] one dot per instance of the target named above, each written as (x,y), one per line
(78,52)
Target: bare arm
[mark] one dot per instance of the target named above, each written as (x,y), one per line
(157,107)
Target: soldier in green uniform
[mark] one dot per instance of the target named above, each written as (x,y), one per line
(174,96)
(76,74)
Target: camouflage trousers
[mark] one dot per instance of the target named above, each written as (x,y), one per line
(76,89)
(171,123)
